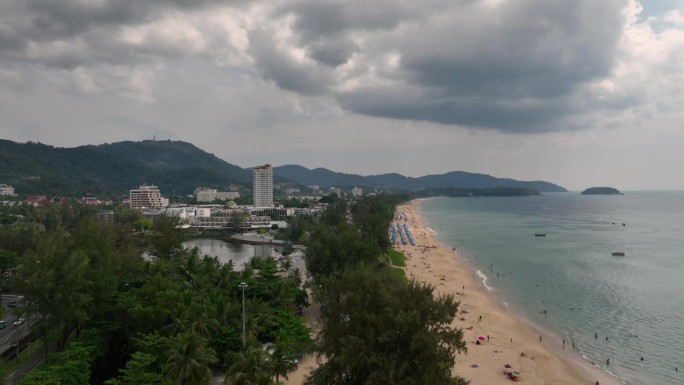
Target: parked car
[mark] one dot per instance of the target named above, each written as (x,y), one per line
(19,321)
(12,304)
(3,324)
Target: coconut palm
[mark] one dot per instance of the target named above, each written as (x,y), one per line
(250,367)
(188,361)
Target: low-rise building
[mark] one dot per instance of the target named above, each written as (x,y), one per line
(7,190)
(357,192)
(203,194)
(37,200)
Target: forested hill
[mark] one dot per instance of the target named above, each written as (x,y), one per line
(174,166)
(455,179)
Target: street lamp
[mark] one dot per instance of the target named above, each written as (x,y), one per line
(243,286)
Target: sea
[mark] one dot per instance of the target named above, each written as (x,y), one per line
(568,282)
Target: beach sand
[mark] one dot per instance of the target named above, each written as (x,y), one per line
(507,339)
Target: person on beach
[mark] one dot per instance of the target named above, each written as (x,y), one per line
(608,362)
(540,338)
(563,343)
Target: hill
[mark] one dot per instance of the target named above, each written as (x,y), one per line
(455,179)
(35,168)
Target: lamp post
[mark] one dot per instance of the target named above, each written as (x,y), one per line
(243,286)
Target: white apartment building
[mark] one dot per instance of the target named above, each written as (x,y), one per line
(263,186)
(203,194)
(7,190)
(227,195)
(147,197)
(357,192)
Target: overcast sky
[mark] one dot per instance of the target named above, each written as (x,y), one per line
(576,92)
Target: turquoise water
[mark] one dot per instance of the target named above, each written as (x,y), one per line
(636,301)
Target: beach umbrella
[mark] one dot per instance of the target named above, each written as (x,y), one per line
(482,338)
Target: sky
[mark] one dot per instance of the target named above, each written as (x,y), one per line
(576,92)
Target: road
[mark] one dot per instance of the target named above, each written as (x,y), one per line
(8,335)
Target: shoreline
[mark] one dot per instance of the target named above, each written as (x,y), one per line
(511,339)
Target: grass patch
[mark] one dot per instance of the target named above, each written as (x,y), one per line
(399,271)
(398,259)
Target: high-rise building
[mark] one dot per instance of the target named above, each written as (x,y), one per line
(147,197)
(263,186)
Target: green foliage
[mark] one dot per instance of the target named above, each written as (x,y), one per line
(34,168)
(237,219)
(298,203)
(189,359)
(373,216)
(139,370)
(249,367)
(69,367)
(379,329)
(333,248)
(376,326)
(298,228)
(168,315)
(167,237)
(398,259)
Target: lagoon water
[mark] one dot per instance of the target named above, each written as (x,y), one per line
(636,301)
(239,253)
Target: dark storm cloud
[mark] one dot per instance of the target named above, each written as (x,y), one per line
(332,53)
(67,18)
(10,39)
(518,66)
(280,67)
(507,65)
(513,116)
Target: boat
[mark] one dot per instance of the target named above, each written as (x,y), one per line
(618,254)
(539,234)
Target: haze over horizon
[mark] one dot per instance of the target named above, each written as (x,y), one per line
(580,93)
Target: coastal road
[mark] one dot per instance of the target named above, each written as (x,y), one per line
(8,335)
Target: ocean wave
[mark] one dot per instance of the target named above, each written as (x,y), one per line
(484,279)
(430,230)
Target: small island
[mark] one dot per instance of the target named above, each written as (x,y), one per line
(601,191)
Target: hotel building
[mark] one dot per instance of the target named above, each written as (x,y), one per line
(147,197)
(263,186)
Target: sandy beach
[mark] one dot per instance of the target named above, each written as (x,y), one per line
(504,339)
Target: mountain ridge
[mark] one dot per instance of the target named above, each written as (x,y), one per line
(179,167)
(461,179)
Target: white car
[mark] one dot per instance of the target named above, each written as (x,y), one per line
(19,321)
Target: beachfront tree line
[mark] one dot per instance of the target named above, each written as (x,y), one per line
(376,327)
(104,314)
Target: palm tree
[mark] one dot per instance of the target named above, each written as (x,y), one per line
(189,359)
(281,357)
(250,367)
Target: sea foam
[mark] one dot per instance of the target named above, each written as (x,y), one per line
(484,279)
